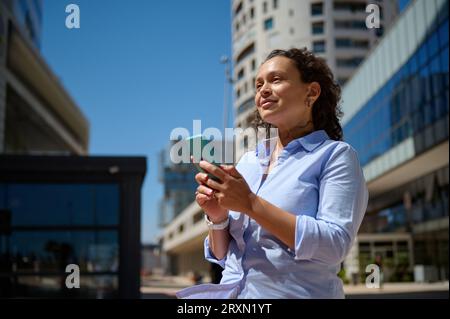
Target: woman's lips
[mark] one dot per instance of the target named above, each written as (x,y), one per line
(267,104)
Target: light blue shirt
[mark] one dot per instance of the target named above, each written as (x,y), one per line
(321,182)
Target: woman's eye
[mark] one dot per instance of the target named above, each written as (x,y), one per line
(276,79)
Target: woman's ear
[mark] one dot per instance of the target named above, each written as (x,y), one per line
(313,92)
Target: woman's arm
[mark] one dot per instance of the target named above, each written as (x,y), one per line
(342,204)
(234,194)
(275,220)
(218,242)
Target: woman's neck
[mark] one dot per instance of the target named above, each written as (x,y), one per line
(287,135)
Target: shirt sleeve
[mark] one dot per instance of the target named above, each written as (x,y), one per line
(210,256)
(343,198)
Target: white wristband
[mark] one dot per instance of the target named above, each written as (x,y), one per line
(219,226)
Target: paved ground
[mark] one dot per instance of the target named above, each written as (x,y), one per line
(400,291)
(165,287)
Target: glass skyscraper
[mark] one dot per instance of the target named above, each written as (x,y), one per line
(396,117)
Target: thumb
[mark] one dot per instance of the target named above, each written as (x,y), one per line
(231,169)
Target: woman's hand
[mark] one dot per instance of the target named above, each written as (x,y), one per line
(206,200)
(233,193)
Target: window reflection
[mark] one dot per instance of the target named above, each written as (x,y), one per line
(76,204)
(54,287)
(412,101)
(50,226)
(35,252)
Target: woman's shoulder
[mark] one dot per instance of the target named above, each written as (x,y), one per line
(340,152)
(339,147)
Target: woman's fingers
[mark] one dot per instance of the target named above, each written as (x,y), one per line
(202,189)
(215,170)
(231,169)
(201,178)
(202,199)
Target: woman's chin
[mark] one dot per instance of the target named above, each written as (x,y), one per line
(270,117)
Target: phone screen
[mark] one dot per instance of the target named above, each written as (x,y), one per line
(197,144)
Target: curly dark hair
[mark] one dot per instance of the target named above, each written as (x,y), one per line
(326,109)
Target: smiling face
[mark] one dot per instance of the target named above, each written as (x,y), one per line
(281,96)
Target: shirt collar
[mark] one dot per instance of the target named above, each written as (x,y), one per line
(313,140)
(308,142)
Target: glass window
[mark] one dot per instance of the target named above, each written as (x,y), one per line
(444,61)
(414,63)
(240,74)
(350,6)
(349,62)
(424,73)
(440,107)
(342,43)
(422,54)
(52,251)
(275,4)
(319,46)
(352,24)
(238,8)
(429,114)
(419,120)
(63,204)
(436,77)
(53,286)
(432,44)
(443,34)
(268,24)
(265,7)
(316,9)
(317,28)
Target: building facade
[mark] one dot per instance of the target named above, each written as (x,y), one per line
(57,205)
(57,211)
(37,115)
(396,117)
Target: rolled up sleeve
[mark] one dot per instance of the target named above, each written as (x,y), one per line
(210,256)
(343,198)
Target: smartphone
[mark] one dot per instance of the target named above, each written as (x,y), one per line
(197,144)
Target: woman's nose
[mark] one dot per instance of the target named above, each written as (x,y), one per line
(265,90)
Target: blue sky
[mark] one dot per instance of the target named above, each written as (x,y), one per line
(402,4)
(138,69)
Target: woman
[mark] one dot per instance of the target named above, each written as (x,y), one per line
(280,228)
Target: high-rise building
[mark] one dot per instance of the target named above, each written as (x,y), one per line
(396,117)
(333,29)
(28,14)
(179,187)
(37,115)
